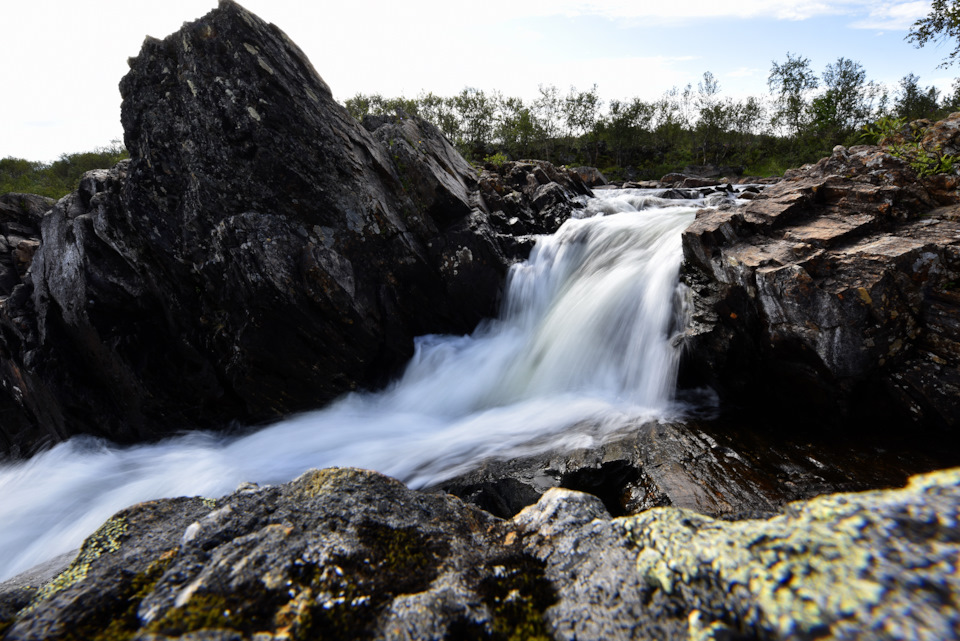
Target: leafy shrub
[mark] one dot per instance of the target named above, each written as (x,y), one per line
(60,177)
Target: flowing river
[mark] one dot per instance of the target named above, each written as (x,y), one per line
(583,339)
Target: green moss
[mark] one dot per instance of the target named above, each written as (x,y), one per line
(517,594)
(247,611)
(353,589)
(408,557)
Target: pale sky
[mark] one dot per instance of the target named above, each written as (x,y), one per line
(63,59)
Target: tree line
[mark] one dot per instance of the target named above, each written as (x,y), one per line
(60,177)
(802,117)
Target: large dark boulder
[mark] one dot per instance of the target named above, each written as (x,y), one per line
(259,254)
(831,299)
(348,554)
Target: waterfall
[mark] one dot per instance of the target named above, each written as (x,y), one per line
(583,339)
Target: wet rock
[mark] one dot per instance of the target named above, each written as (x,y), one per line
(590,176)
(720,172)
(679,194)
(672,179)
(827,298)
(723,467)
(642,184)
(696,181)
(260,253)
(759,180)
(353,554)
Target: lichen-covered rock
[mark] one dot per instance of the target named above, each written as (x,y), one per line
(830,297)
(337,553)
(877,565)
(259,254)
(348,554)
(943,136)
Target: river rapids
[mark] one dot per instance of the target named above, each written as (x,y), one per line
(585,337)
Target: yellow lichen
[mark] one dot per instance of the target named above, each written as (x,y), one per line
(105,540)
(803,570)
(315,482)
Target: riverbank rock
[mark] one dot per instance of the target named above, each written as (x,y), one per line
(591,176)
(723,467)
(831,298)
(343,553)
(260,253)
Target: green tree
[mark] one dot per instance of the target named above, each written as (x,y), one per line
(360,105)
(941,25)
(440,111)
(714,118)
(60,177)
(846,103)
(791,83)
(581,114)
(951,102)
(516,128)
(476,111)
(548,111)
(911,102)
(670,120)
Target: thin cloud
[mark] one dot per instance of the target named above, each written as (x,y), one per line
(744,72)
(693,9)
(898,16)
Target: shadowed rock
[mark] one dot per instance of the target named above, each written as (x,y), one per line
(831,297)
(721,468)
(260,253)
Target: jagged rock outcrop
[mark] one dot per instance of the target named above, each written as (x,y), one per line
(832,297)
(343,553)
(259,254)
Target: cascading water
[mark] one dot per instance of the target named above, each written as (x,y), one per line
(583,339)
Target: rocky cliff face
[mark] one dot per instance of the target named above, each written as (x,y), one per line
(833,296)
(261,252)
(346,554)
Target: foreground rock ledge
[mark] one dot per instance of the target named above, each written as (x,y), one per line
(345,553)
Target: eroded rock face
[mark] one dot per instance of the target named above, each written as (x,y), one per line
(259,254)
(344,553)
(831,297)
